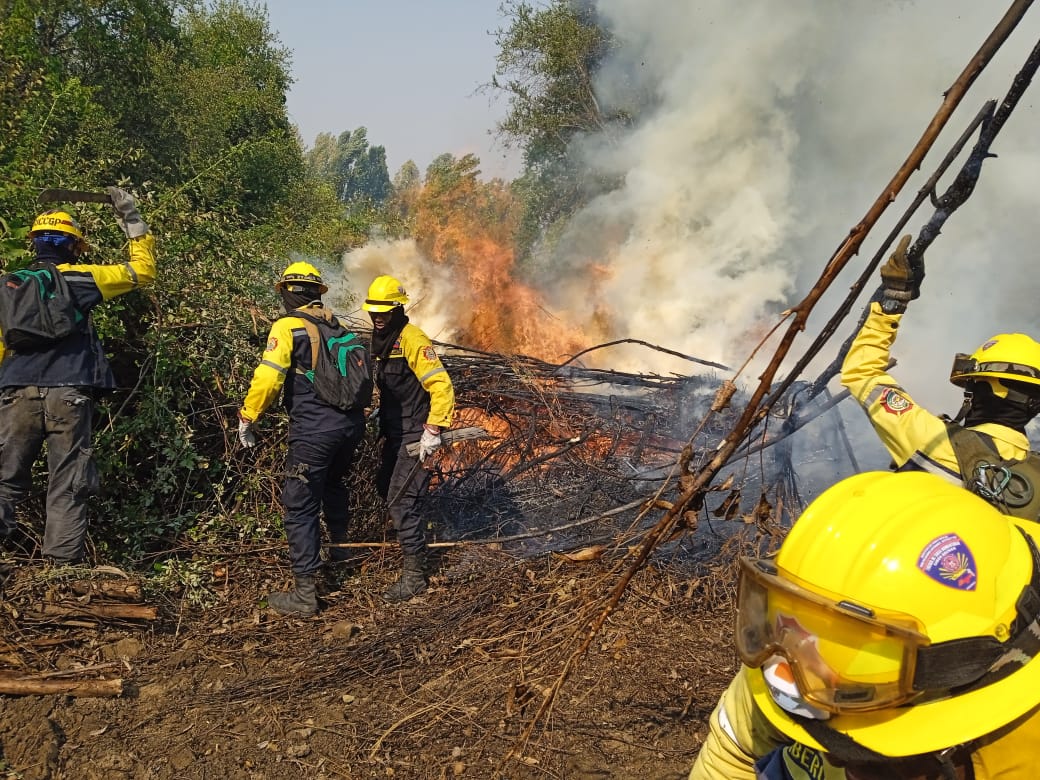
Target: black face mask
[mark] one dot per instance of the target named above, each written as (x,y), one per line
(54,252)
(985,407)
(382,341)
(296,300)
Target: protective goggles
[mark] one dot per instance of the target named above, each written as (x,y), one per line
(849,657)
(64,242)
(966,365)
(844,656)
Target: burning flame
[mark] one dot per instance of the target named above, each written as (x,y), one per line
(461,274)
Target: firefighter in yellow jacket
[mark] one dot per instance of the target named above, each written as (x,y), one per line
(323,439)
(47,393)
(1001,382)
(416,403)
(894,635)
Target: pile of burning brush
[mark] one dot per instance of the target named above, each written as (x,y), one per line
(570,455)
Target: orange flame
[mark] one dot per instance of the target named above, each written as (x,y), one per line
(471,226)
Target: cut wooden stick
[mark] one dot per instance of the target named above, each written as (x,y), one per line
(99,611)
(36,686)
(113,589)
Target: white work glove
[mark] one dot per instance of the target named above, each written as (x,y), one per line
(246,437)
(127,216)
(430,441)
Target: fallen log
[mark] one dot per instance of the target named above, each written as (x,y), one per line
(99,611)
(113,589)
(37,686)
(36,644)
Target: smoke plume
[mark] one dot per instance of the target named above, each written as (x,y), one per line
(775,127)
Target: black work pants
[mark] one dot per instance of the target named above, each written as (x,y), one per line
(317,468)
(402,482)
(62,417)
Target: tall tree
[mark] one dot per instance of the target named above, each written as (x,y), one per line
(70,88)
(359,170)
(221,92)
(549,54)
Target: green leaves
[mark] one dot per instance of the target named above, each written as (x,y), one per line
(14,246)
(549,55)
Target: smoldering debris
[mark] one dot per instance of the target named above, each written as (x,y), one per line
(576,456)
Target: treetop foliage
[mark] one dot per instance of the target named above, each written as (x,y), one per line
(549,56)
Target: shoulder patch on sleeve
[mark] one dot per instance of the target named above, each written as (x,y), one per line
(272,344)
(429,353)
(894,402)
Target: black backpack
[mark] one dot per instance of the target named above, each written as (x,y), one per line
(341,370)
(37,309)
(1012,486)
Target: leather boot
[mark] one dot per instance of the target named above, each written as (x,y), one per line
(412,581)
(301,600)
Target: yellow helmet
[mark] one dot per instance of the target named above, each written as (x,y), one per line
(302,273)
(384,294)
(1012,356)
(905,586)
(55,221)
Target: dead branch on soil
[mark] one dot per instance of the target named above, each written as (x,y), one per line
(124,590)
(44,686)
(97,611)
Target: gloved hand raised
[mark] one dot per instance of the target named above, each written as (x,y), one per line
(127,216)
(246,437)
(430,441)
(901,283)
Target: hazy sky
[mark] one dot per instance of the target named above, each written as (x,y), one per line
(408,70)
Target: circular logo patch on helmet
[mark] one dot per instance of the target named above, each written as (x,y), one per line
(948,561)
(894,402)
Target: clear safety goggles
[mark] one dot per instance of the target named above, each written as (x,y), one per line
(844,656)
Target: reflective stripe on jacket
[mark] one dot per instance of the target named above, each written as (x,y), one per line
(414,386)
(914,437)
(289,346)
(79,360)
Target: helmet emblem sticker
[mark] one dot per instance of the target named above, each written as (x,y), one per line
(948,561)
(987,345)
(894,402)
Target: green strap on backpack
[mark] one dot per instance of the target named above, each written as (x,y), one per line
(341,370)
(1009,484)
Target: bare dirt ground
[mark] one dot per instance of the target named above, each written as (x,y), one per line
(448,685)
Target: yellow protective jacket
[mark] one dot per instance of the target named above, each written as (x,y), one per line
(914,437)
(739,734)
(289,347)
(79,360)
(414,387)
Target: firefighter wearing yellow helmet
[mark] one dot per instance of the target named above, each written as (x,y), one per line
(47,389)
(323,439)
(57,227)
(895,634)
(416,402)
(301,273)
(984,448)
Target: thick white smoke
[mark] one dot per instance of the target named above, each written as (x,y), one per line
(432,292)
(776,127)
